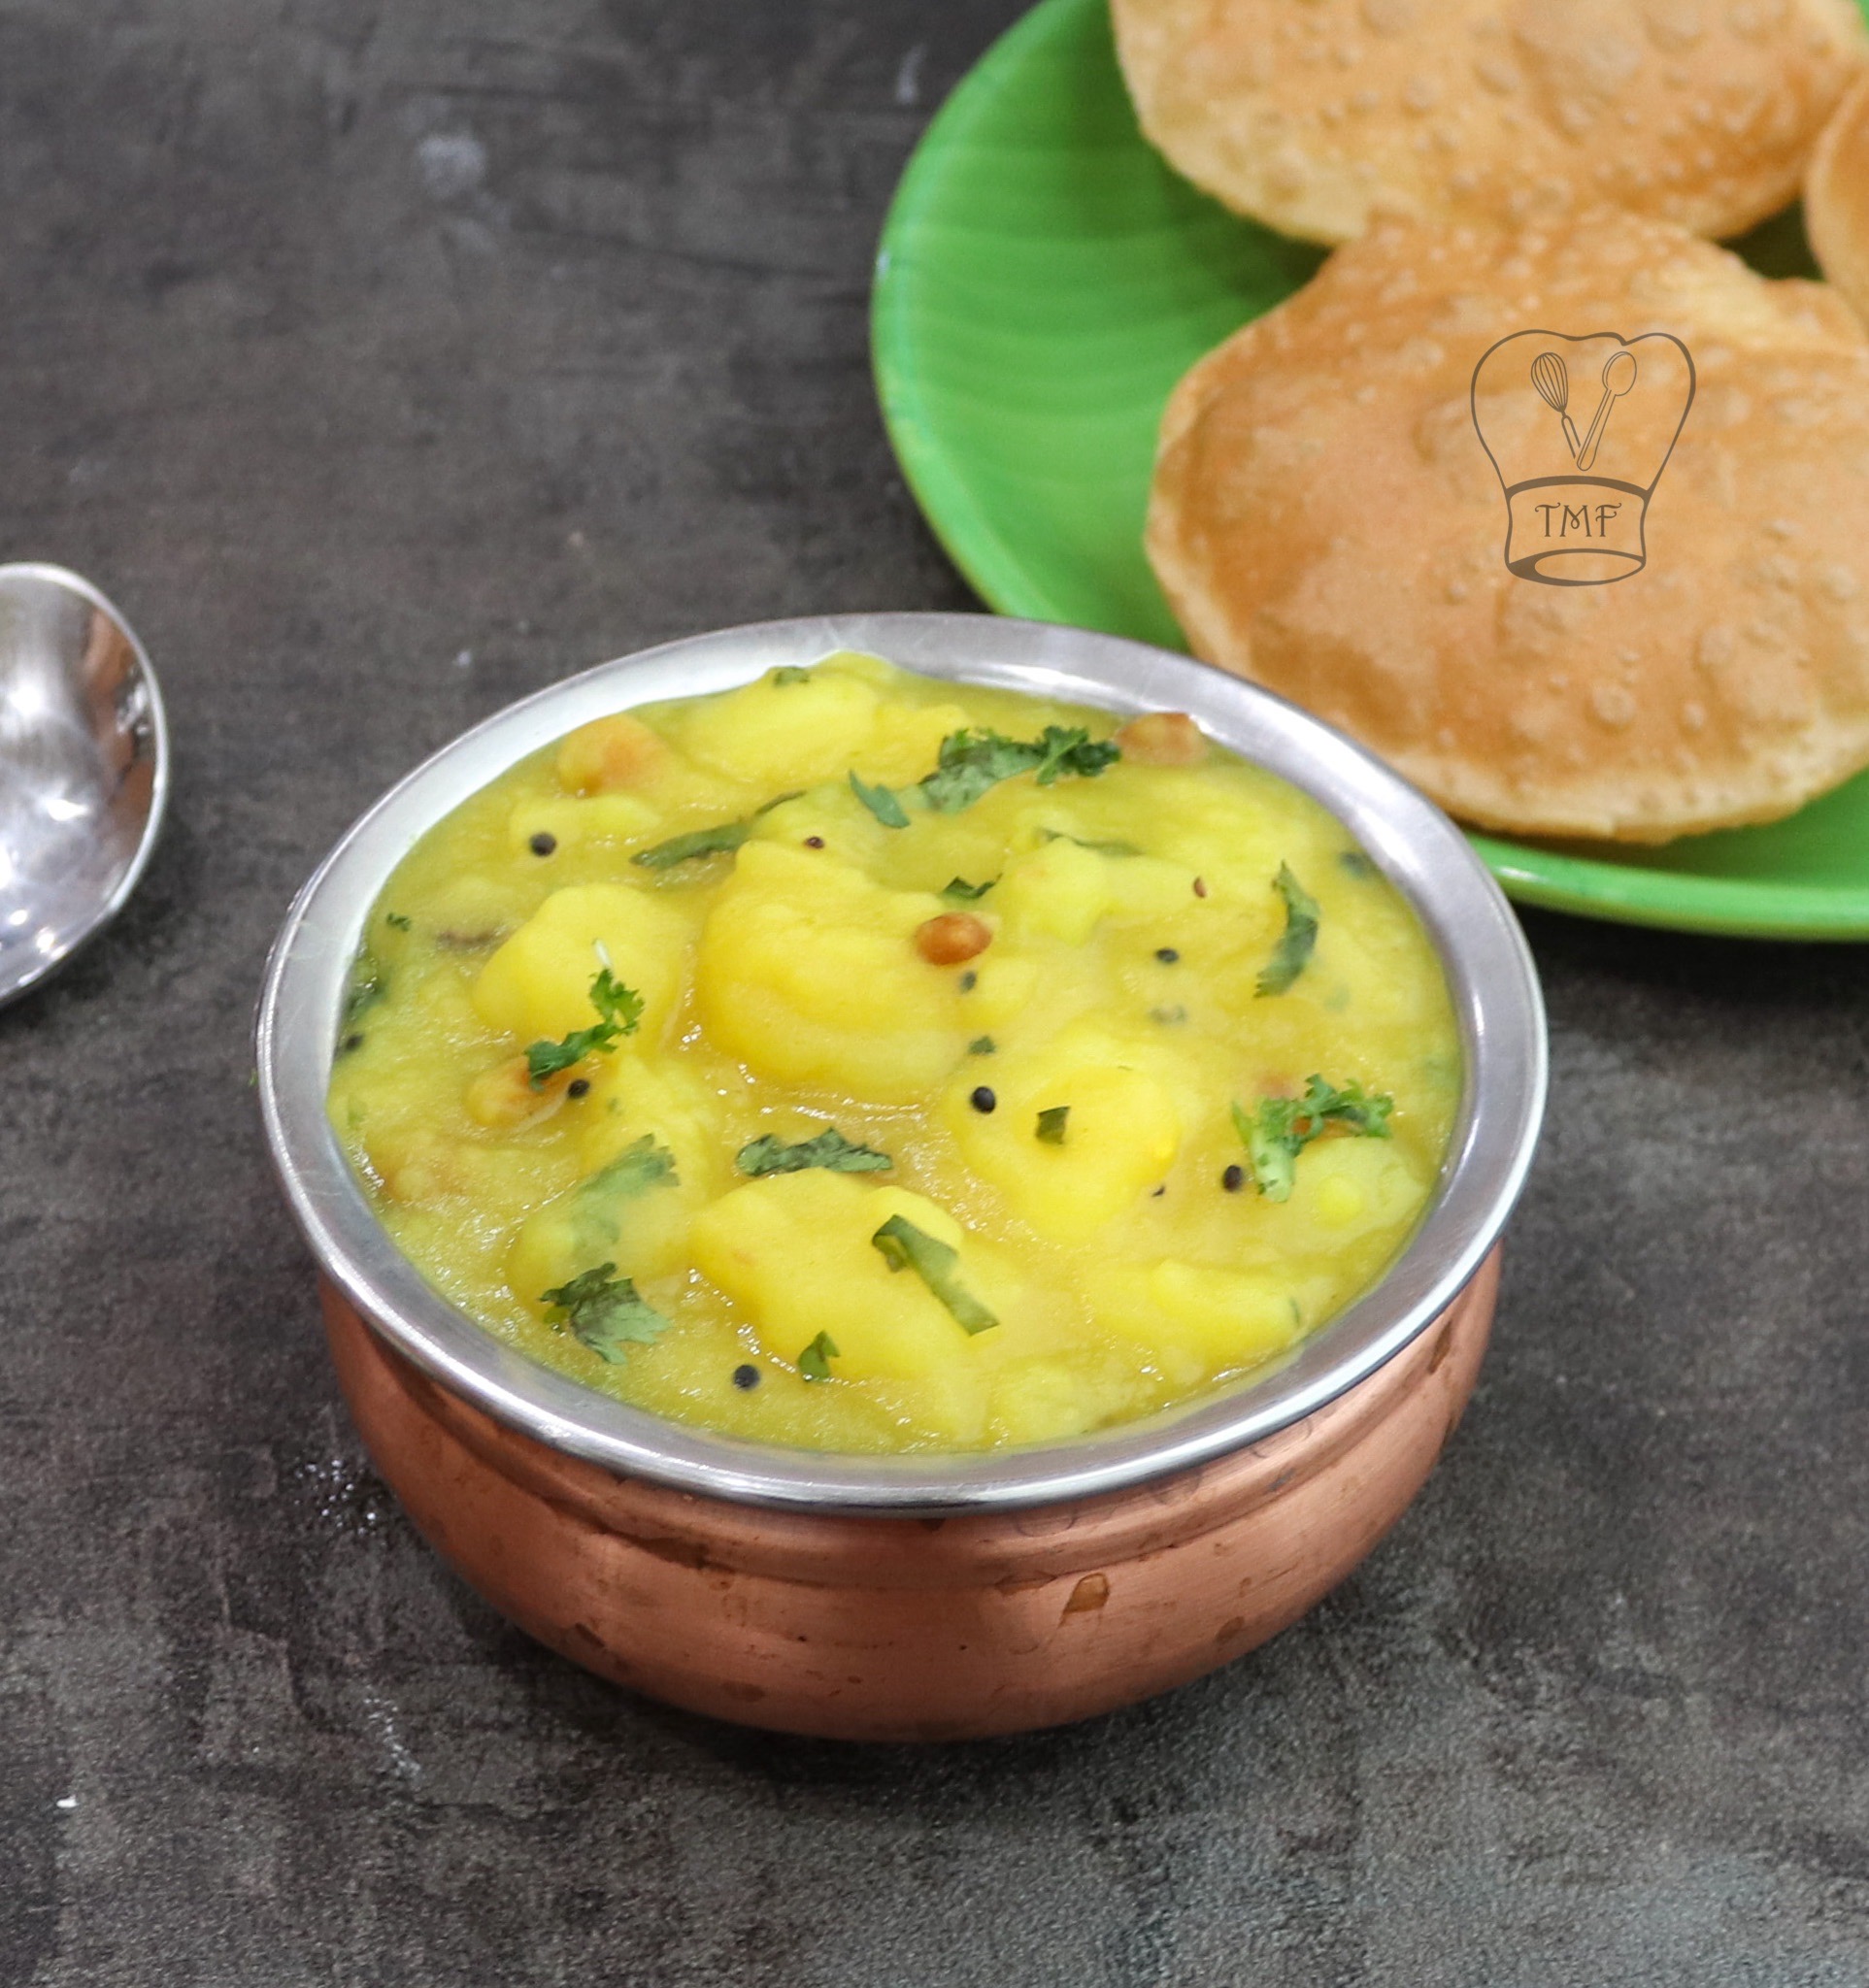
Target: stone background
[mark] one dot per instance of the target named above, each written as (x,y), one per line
(385,362)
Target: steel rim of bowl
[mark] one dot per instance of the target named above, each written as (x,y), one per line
(1490,976)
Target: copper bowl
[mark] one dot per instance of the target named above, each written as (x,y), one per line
(916,1597)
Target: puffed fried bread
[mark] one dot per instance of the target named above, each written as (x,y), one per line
(1325,519)
(1319,115)
(1836,199)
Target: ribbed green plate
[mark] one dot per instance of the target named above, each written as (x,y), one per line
(1044,280)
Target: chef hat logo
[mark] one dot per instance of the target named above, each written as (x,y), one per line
(1580,429)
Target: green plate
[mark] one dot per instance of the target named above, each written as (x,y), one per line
(1044,280)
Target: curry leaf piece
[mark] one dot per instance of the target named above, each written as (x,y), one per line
(401,920)
(791,672)
(982,1046)
(904,1246)
(778,801)
(814,1362)
(971,762)
(718,841)
(620,1009)
(1051,1123)
(604,1312)
(881,801)
(1292,954)
(967,893)
(829,1149)
(1283,1127)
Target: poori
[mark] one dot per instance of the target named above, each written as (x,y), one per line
(1836,199)
(1318,117)
(1340,485)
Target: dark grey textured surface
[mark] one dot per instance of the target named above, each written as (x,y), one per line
(385,361)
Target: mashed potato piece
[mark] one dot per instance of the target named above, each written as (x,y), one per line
(877,1065)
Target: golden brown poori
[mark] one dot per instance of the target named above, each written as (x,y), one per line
(1836,199)
(1325,520)
(1319,115)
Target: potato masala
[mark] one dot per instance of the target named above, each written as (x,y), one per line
(871,1063)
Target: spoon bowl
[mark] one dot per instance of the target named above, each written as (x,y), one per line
(83,768)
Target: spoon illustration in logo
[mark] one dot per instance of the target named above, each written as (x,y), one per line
(1618,375)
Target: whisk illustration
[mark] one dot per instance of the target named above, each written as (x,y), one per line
(1552,379)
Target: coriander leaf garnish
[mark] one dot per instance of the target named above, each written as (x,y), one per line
(881,801)
(1356,863)
(604,1311)
(1103,848)
(778,801)
(637,1168)
(1073,751)
(369,984)
(1271,1146)
(968,893)
(718,841)
(1363,1113)
(829,1149)
(791,672)
(619,1008)
(1292,954)
(401,920)
(1051,1123)
(634,1171)
(1283,1127)
(970,762)
(648,1163)
(982,1046)
(904,1246)
(814,1362)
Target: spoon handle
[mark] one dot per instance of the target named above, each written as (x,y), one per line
(1587,455)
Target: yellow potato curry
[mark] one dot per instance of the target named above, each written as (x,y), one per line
(872,1063)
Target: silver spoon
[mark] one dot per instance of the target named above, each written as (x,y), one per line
(83,768)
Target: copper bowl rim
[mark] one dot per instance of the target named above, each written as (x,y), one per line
(1490,976)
